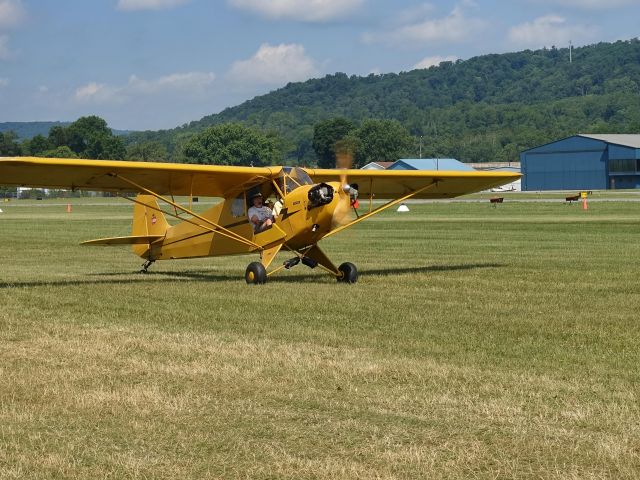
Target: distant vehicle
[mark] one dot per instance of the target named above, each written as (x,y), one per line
(312,204)
(504,188)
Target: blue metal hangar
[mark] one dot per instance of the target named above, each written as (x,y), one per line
(583,162)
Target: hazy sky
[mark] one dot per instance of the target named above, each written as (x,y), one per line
(150,64)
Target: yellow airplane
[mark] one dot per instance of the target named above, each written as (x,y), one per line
(312,204)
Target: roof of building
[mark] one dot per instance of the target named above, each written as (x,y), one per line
(494,165)
(430,164)
(627,140)
(377,165)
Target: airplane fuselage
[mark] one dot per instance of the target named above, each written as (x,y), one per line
(305,223)
(301,222)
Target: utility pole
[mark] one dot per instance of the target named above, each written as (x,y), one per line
(420,146)
(569,51)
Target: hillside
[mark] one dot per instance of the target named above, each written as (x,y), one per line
(26,130)
(487,108)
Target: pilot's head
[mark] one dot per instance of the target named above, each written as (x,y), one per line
(256,199)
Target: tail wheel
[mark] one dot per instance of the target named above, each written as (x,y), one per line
(349,273)
(255,273)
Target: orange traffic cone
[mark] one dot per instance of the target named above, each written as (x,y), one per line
(68,208)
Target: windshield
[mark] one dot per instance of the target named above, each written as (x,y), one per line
(292,178)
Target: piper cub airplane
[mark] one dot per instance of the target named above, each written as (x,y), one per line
(312,204)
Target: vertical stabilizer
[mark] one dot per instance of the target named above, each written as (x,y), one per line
(148,220)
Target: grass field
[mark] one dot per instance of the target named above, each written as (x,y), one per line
(480,342)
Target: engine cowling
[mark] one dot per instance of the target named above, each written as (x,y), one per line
(320,194)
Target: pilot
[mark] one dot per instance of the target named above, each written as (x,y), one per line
(260,215)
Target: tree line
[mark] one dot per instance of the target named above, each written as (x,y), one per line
(224,144)
(87,137)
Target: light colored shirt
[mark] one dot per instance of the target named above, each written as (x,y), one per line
(277,207)
(262,213)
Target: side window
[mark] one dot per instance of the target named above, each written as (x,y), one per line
(238,206)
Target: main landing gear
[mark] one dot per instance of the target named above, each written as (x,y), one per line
(256,273)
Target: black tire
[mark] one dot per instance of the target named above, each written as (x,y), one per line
(349,273)
(255,273)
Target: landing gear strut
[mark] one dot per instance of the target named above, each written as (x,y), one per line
(312,257)
(146,265)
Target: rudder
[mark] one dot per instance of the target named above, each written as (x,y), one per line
(148,220)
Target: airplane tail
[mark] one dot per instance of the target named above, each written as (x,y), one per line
(149,226)
(148,221)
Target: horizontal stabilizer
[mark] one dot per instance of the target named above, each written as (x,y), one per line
(133,240)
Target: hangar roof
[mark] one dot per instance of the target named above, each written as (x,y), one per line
(377,165)
(430,164)
(627,140)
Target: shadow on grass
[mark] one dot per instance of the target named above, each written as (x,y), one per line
(429,268)
(201,276)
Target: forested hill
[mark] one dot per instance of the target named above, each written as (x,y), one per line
(26,130)
(486,108)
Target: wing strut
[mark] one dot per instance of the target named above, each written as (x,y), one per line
(381,208)
(215,228)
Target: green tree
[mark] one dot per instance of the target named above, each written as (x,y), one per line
(88,137)
(382,141)
(147,152)
(104,147)
(37,145)
(326,135)
(58,136)
(59,152)
(233,144)
(84,131)
(9,145)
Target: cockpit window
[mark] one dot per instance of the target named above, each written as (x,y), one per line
(301,177)
(292,178)
(238,206)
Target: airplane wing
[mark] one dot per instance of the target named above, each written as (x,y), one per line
(390,184)
(121,176)
(222,181)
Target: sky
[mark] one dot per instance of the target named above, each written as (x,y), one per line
(154,64)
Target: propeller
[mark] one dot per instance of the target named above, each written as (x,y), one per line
(347,194)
